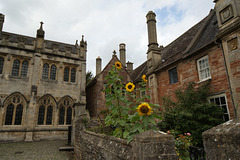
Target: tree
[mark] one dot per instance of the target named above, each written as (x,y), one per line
(89,76)
(191,113)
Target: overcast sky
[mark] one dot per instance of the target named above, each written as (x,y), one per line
(104,23)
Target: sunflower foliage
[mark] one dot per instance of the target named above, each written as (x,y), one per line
(129,113)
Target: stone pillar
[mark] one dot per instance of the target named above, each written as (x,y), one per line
(40,38)
(122,51)
(154,144)
(152,31)
(223,141)
(98,65)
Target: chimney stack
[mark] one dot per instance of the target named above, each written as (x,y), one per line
(129,67)
(1,21)
(122,51)
(152,31)
(98,65)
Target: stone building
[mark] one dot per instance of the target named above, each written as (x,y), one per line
(209,51)
(42,86)
(95,88)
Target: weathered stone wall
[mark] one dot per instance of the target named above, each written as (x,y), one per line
(148,145)
(223,141)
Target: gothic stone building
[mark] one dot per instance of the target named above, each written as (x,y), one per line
(42,86)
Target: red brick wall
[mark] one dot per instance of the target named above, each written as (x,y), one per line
(187,72)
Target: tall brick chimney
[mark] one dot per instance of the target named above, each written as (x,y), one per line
(122,51)
(129,67)
(98,65)
(152,31)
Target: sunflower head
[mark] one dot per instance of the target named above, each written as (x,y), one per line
(144,78)
(118,65)
(130,87)
(144,109)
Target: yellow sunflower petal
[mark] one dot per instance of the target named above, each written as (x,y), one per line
(144,78)
(118,65)
(144,109)
(130,87)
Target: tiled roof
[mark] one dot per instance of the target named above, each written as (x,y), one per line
(137,73)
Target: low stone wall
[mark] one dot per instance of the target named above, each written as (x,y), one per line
(223,141)
(148,145)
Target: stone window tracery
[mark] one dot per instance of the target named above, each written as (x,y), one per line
(46,110)
(65,114)
(1,64)
(69,74)
(14,106)
(49,71)
(20,66)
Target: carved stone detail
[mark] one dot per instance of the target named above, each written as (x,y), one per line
(226,14)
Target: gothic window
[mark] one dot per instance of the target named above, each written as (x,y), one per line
(24,69)
(53,72)
(65,111)
(16,66)
(46,110)
(1,64)
(45,71)
(66,74)
(14,105)
(203,68)
(73,75)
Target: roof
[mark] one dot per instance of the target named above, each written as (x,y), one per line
(137,73)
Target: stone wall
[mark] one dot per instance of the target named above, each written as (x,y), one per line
(148,145)
(223,141)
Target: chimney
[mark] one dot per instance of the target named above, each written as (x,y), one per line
(40,37)
(98,65)
(1,21)
(122,51)
(129,67)
(152,32)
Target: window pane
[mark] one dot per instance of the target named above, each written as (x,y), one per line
(69,115)
(18,117)
(53,72)
(204,71)
(226,117)
(24,69)
(49,115)
(217,101)
(15,69)
(223,101)
(73,75)
(41,113)
(45,71)
(66,74)
(173,75)
(9,114)
(61,115)
(1,64)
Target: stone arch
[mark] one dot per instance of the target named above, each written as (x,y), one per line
(46,110)
(14,106)
(65,110)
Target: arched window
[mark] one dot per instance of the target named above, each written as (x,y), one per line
(24,69)
(65,111)
(45,71)
(73,75)
(46,109)
(1,64)
(66,74)
(14,105)
(53,72)
(15,68)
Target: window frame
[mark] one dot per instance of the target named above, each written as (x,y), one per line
(201,79)
(226,103)
(70,76)
(171,74)
(20,73)
(49,72)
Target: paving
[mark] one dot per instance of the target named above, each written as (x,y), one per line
(41,150)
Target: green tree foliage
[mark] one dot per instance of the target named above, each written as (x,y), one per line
(89,76)
(191,112)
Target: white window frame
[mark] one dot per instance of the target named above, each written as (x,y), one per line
(204,69)
(218,96)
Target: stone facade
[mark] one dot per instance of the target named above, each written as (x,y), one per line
(148,145)
(42,86)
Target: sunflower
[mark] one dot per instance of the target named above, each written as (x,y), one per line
(144,109)
(144,78)
(130,87)
(118,65)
